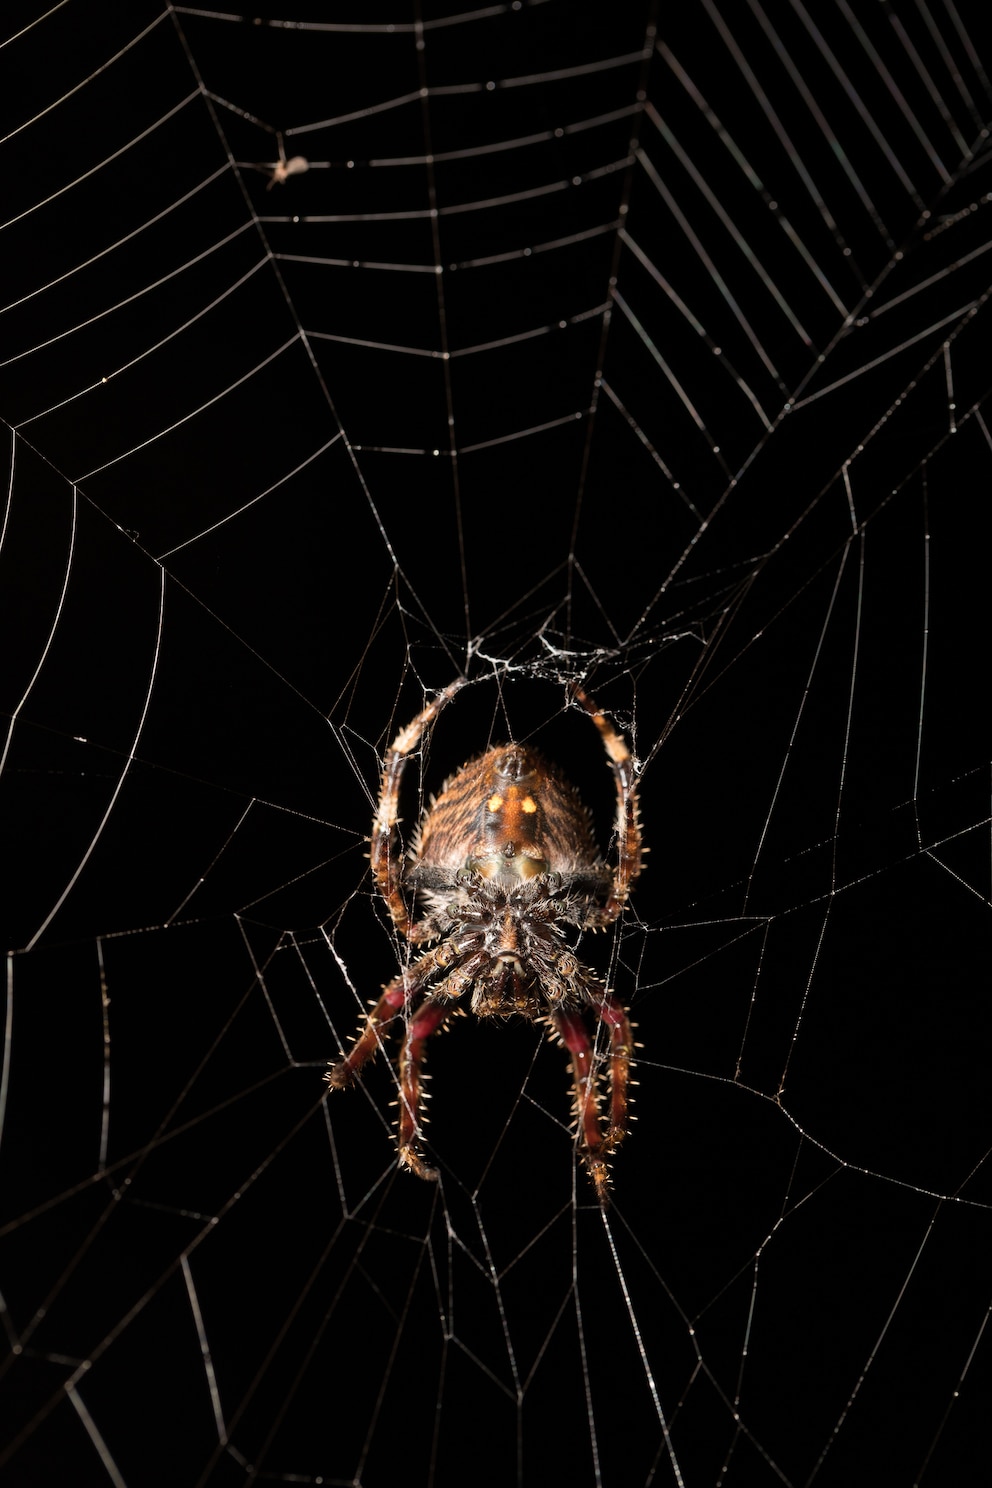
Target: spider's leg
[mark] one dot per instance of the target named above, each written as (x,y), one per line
(400,993)
(593,1144)
(386,853)
(630,849)
(427,1020)
(575,1036)
(612,1015)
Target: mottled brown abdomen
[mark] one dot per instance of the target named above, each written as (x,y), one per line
(508,814)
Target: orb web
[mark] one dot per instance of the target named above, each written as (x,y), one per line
(632,349)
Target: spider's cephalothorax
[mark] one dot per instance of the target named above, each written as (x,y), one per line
(503,861)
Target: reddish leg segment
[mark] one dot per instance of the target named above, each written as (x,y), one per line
(402,991)
(594,1146)
(427,1021)
(612,1014)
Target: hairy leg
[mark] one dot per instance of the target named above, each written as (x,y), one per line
(427,1020)
(399,994)
(630,848)
(594,1146)
(614,1018)
(386,852)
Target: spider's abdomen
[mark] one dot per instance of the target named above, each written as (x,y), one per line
(508,815)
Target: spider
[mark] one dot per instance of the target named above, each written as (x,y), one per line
(503,861)
(281,169)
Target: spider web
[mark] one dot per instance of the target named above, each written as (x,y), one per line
(637,346)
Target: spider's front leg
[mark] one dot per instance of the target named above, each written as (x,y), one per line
(630,846)
(386,853)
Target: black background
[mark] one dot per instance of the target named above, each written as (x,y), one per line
(244,543)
